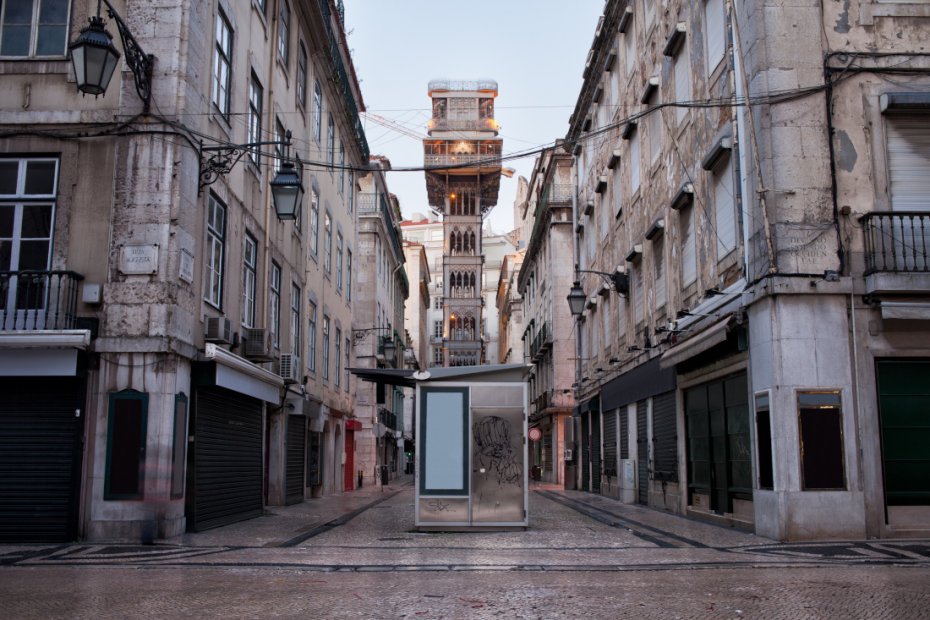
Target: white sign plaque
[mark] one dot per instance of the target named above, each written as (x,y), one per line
(138,259)
(186,267)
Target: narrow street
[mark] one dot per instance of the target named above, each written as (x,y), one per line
(357,556)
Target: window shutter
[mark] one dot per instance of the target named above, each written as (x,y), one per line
(688,265)
(725,209)
(714,33)
(909,162)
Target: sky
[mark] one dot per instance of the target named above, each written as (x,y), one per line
(534,49)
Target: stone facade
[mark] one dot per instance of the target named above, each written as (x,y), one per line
(759,190)
(197,310)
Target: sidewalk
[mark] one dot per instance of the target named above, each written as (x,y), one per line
(283,526)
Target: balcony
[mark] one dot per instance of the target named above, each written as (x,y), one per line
(897,251)
(541,341)
(38,300)
(387,418)
(471,124)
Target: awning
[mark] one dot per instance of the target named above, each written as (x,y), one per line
(713,335)
(228,370)
(353,425)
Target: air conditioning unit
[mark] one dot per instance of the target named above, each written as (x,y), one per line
(256,344)
(289,367)
(217,329)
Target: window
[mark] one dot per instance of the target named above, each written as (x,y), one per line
(127,421)
(255,117)
(28,188)
(325,347)
(351,197)
(295,318)
(444,441)
(327,243)
(311,338)
(222,63)
(338,374)
(301,76)
(682,77)
(342,168)
(714,33)
(262,6)
(724,208)
(437,329)
(317,111)
(820,425)
(274,311)
(658,263)
(688,247)
(348,362)
(34,28)
(314,221)
(330,140)
(764,441)
(437,302)
(215,252)
(280,136)
(437,356)
(284,31)
(348,275)
(339,262)
(634,162)
(629,45)
(249,262)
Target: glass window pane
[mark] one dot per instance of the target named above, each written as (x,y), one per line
(444,442)
(37,221)
(33,255)
(19,13)
(40,177)
(51,41)
(6,251)
(53,12)
(15,41)
(9,170)
(7,212)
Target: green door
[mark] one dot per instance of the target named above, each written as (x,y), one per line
(904,408)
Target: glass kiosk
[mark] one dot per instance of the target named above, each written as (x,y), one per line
(471,457)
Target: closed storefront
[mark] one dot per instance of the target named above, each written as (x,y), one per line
(294,467)
(41,427)
(664,438)
(226,459)
(718,442)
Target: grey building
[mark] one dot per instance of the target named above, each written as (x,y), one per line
(759,176)
(173,354)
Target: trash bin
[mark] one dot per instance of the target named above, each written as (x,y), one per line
(384,475)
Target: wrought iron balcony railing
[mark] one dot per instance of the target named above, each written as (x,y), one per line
(897,241)
(38,300)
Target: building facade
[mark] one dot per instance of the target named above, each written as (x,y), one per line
(764,194)
(381,292)
(187,349)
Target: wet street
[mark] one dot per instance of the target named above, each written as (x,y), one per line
(358,556)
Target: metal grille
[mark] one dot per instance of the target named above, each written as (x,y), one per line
(296,443)
(665,438)
(610,443)
(642,453)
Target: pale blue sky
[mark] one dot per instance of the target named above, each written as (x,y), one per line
(535,49)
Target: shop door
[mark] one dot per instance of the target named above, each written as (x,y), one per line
(226,459)
(348,474)
(41,425)
(904,408)
(717,422)
(294,468)
(497,465)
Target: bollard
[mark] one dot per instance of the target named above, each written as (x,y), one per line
(361,477)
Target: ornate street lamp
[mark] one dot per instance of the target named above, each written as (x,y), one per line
(576,299)
(94,58)
(390,349)
(286,192)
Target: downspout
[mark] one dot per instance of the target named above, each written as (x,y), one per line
(269,123)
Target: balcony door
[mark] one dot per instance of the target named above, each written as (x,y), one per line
(909,182)
(28,188)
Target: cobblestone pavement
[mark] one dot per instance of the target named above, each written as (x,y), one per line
(358,556)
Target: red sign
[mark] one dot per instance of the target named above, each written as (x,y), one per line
(535,434)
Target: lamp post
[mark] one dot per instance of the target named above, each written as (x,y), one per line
(94,57)
(618,280)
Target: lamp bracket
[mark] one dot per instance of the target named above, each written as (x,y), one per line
(140,63)
(221,159)
(617,280)
(360,334)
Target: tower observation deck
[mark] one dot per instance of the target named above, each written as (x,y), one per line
(462,158)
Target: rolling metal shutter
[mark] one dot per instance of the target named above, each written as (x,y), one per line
(596,451)
(642,454)
(585,452)
(227,459)
(40,458)
(665,438)
(296,444)
(624,434)
(908,162)
(610,443)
